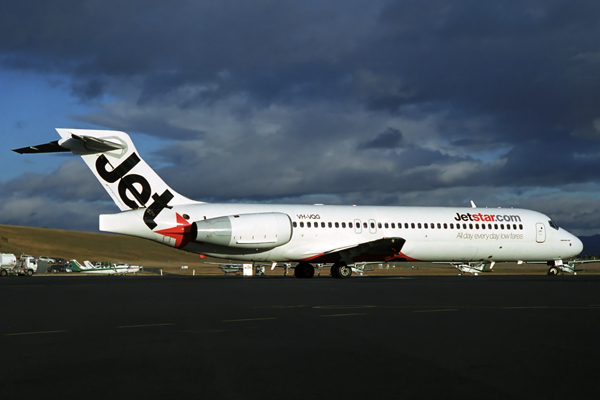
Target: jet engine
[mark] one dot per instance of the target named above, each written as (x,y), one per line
(248,231)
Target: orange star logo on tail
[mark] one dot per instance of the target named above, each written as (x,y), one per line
(180,232)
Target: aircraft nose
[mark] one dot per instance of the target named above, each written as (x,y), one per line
(577,245)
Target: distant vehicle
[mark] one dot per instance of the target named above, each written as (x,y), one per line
(24,265)
(56,268)
(49,260)
(60,261)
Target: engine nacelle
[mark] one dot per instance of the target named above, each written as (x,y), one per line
(248,231)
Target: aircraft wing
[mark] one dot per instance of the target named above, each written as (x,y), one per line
(581,261)
(384,249)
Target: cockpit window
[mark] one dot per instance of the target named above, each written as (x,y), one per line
(553,224)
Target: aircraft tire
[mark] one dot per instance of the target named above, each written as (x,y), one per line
(552,271)
(304,270)
(345,271)
(29,272)
(3,273)
(335,271)
(341,270)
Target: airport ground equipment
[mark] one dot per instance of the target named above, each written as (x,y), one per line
(7,263)
(24,265)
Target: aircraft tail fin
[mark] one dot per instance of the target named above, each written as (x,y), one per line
(114,160)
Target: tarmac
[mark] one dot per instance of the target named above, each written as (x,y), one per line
(281,337)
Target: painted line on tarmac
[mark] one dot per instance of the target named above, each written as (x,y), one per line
(248,319)
(143,326)
(341,315)
(32,333)
(445,309)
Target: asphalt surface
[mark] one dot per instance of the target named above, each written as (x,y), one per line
(255,338)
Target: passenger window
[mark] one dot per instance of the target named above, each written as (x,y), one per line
(489,226)
(301,224)
(349,224)
(322,224)
(445,226)
(451,226)
(501,226)
(379,225)
(520,226)
(294,224)
(476,226)
(495,226)
(419,225)
(386,225)
(329,224)
(406,225)
(372,225)
(308,224)
(337,225)
(393,225)
(439,226)
(508,226)
(515,227)
(470,226)
(482,226)
(343,224)
(365,225)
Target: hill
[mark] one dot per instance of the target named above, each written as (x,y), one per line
(591,244)
(95,246)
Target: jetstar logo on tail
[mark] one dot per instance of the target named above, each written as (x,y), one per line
(126,185)
(487,217)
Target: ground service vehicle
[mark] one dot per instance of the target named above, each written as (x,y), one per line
(7,263)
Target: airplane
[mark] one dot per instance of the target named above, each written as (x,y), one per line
(305,234)
(89,268)
(126,268)
(473,268)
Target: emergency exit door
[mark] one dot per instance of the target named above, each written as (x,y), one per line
(540,232)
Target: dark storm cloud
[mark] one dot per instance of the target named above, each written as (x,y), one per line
(520,62)
(389,139)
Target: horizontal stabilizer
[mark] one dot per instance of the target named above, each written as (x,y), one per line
(52,147)
(78,144)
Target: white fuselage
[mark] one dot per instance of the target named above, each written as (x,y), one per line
(430,233)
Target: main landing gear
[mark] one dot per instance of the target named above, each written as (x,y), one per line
(339,270)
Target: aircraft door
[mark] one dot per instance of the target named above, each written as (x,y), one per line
(357,226)
(540,232)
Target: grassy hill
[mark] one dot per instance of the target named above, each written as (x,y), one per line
(96,246)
